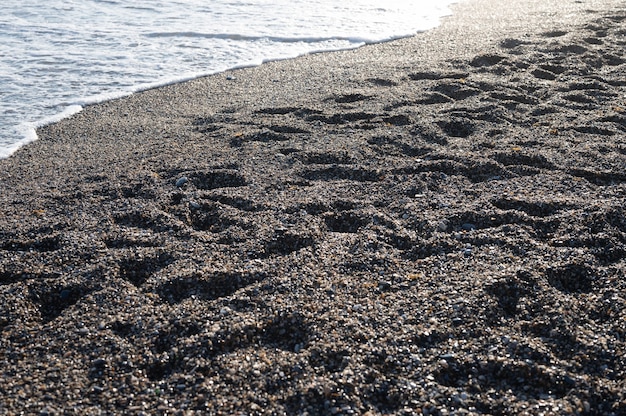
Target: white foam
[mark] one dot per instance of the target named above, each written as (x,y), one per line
(28,129)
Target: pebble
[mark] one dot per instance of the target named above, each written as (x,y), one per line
(457,321)
(181,181)
(48,410)
(468,226)
(99,363)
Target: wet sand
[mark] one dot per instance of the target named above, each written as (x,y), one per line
(434,225)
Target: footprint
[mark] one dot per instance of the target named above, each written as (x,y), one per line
(608,248)
(331,360)
(350,98)
(508,292)
(599,178)
(534,209)
(268,136)
(45,244)
(618,18)
(511,43)
(215,179)
(53,299)
(591,85)
(207,286)
(335,173)
(555,69)
(518,98)
(286,332)
(568,49)
(398,120)
(430,134)
(618,121)
(279,110)
(543,74)
(612,60)
(169,338)
(456,91)
(474,171)
(140,189)
(137,270)
(492,113)
(161,368)
(288,129)
(542,110)
(208,217)
(486,60)
(518,158)
(345,222)
(580,98)
(420,76)
(382,82)
(343,118)
(397,147)
(515,375)
(325,158)
(472,220)
(311,208)
(240,203)
(10,277)
(157,222)
(206,124)
(435,98)
(131,241)
(593,41)
(595,130)
(457,127)
(571,278)
(286,241)
(554,34)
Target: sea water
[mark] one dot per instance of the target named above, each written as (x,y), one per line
(57,56)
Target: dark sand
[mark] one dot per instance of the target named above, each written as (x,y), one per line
(434,225)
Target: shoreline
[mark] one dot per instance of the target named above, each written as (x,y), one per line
(432,225)
(25,133)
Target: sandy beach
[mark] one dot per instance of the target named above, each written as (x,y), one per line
(434,226)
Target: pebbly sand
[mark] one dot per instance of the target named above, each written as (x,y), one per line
(434,225)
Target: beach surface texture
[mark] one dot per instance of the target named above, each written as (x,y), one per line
(434,225)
